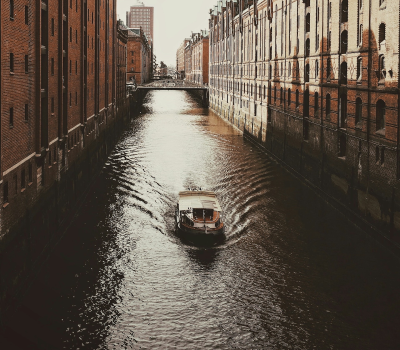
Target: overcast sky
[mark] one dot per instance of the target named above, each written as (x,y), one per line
(174,20)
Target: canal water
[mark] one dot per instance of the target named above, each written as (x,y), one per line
(292,273)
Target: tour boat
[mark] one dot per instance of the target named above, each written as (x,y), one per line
(198,217)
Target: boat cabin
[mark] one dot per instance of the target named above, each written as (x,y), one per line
(199,209)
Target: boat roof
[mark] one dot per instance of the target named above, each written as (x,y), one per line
(198,200)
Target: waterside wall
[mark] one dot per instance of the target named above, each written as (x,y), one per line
(37,224)
(368,201)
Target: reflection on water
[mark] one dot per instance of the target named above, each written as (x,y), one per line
(291,274)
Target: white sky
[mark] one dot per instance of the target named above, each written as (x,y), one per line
(174,20)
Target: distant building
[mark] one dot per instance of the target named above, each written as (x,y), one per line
(180,59)
(139,57)
(197,58)
(141,16)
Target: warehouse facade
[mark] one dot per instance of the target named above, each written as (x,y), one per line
(316,83)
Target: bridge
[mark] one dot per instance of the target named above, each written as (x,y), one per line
(173,84)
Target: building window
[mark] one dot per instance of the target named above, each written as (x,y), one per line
(26,15)
(360,35)
(380,116)
(11,9)
(52,66)
(382,67)
(343,42)
(307,73)
(11,117)
(343,73)
(328,106)
(52,27)
(26,112)
(52,105)
(328,69)
(359,69)
(316,69)
(5,192)
(289,97)
(11,62)
(342,145)
(345,11)
(358,111)
(30,177)
(23,179)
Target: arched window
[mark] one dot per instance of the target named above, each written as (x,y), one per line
(289,69)
(360,35)
(358,111)
(316,104)
(328,106)
(316,69)
(307,73)
(328,69)
(307,47)
(306,104)
(343,42)
(289,97)
(380,115)
(382,67)
(382,35)
(345,11)
(343,111)
(308,23)
(343,73)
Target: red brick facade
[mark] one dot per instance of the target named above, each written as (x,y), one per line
(58,92)
(139,57)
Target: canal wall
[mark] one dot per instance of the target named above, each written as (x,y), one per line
(365,190)
(34,225)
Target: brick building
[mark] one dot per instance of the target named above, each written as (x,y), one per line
(141,16)
(180,59)
(316,82)
(197,58)
(139,60)
(58,93)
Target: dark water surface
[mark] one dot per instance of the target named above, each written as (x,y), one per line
(292,273)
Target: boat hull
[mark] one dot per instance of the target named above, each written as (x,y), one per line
(200,237)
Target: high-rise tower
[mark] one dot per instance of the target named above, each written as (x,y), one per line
(142,16)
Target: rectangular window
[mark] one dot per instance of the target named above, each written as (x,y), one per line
(22,179)
(26,112)
(26,64)
(11,9)
(11,62)
(11,117)
(5,192)
(30,173)
(52,66)
(15,177)
(52,27)
(70,99)
(52,105)
(70,34)
(26,15)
